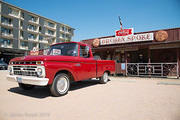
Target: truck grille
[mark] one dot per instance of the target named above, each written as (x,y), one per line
(25,70)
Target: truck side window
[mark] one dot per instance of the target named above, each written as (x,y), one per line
(84,51)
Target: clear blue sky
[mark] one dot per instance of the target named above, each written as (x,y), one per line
(97,18)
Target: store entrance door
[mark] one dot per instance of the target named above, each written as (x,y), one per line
(140,56)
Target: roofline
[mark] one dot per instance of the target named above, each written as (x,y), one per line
(70,42)
(35,14)
(134,33)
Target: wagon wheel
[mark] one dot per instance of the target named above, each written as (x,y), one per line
(169,69)
(132,69)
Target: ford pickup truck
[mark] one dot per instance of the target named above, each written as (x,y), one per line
(65,63)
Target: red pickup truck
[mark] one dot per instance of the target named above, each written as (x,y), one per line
(65,63)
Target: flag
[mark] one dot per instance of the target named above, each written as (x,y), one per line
(120,22)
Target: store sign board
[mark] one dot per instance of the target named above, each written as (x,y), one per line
(124,32)
(127,39)
(34,51)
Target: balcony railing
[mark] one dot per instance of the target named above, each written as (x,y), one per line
(32,30)
(14,15)
(32,21)
(43,41)
(7,35)
(32,39)
(53,35)
(24,48)
(7,24)
(51,27)
(6,46)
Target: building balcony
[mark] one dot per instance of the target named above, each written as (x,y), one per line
(31,30)
(34,22)
(21,18)
(7,24)
(21,38)
(50,27)
(43,41)
(66,32)
(62,31)
(32,39)
(13,15)
(24,47)
(6,46)
(61,37)
(51,35)
(7,35)
(21,27)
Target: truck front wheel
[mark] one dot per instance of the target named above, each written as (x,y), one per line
(104,79)
(60,85)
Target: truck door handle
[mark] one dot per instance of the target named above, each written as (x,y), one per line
(78,64)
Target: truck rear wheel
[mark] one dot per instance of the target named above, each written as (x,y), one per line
(104,79)
(60,85)
(25,86)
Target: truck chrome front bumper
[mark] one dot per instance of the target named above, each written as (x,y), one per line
(28,80)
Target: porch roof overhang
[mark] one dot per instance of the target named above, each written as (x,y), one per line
(150,45)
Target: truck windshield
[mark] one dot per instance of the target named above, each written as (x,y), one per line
(64,49)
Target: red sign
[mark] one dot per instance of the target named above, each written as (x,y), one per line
(124,32)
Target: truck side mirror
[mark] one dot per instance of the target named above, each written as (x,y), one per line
(86,51)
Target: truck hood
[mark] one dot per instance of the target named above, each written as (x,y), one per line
(44,58)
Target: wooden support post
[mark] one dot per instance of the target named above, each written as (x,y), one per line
(178,62)
(149,55)
(125,55)
(149,61)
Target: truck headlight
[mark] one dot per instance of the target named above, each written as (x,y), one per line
(10,69)
(41,71)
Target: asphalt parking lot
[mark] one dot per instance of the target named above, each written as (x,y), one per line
(122,98)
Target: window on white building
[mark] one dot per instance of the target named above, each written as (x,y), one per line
(32,27)
(33,19)
(32,36)
(6,31)
(50,32)
(13,12)
(5,42)
(5,20)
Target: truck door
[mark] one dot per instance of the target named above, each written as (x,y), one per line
(87,64)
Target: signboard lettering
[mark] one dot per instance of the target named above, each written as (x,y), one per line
(127,39)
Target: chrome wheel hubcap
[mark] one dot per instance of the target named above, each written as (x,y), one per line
(105,77)
(62,84)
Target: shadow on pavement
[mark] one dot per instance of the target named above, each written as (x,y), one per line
(43,92)
(37,92)
(83,84)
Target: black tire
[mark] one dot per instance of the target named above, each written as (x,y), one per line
(60,85)
(104,79)
(25,86)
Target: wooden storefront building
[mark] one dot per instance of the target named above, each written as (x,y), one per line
(151,53)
